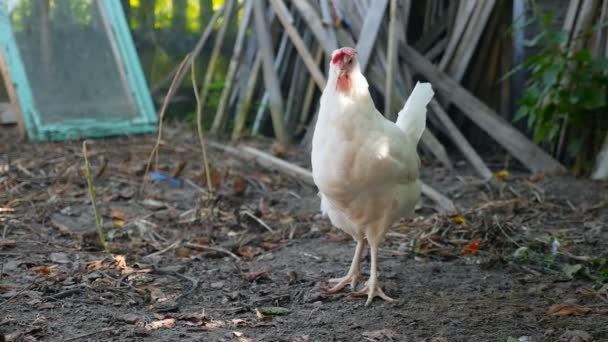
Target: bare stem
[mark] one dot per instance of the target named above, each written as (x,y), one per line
(199,126)
(93,196)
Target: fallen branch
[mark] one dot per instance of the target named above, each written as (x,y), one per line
(445,205)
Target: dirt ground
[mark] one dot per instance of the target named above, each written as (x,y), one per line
(525,260)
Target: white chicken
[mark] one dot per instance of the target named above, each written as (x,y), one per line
(365,166)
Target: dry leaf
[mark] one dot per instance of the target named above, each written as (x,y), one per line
(120,262)
(267,245)
(255,275)
(247,251)
(471,248)
(563,310)
(183,252)
(216,178)
(163,323)
(278,149)
(458,219)
(95,265)
(239,185)
(502,174)
(119,214)
(263,178)
(177,170)
(261,317)
(538,177)
(44,270)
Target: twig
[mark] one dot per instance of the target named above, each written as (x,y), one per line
(20,292)
(258,220)
(161,116)
(199,127)
(64,294)
(505,233)
(212,248)
(165,250)
(93,196)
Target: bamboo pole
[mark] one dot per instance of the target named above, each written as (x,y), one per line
(308,95)
(215,54)
(313,20)
(287,22)
(271,80)
(391,53)
(235,61)
(246,103)
(369,32)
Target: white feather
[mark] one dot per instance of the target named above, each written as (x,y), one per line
(412,118)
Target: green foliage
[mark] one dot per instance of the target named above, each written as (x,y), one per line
(565,85)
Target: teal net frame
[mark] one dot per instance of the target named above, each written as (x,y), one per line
(32,117)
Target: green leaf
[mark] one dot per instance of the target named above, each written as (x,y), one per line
(570,271)
(582,55)
(521,113)
(534,41)
(274,310)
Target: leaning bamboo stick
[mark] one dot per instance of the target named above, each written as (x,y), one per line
(220,114)
(369,32)
(246,103)
(329,29)
(391,62)
(309,94)
(279,63)
(314,23)
(460,141)
(271,80)
(298,43)
(215,54)
(510,138)
(445,205)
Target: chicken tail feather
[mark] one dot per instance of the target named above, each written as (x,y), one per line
(412,118)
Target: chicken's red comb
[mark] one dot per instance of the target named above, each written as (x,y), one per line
(343,51)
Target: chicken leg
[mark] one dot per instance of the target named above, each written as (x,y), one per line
(372,288)
(353,273)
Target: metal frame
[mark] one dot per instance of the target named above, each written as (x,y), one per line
(120,36)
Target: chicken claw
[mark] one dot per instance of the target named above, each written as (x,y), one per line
(371,292)
(342,282)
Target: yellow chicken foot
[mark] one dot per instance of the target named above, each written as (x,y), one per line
(353,273)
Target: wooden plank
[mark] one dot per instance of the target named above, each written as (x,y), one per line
(12,95)
(369,32)
(8,114)
(271,79)
(520,147)
(235,61)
